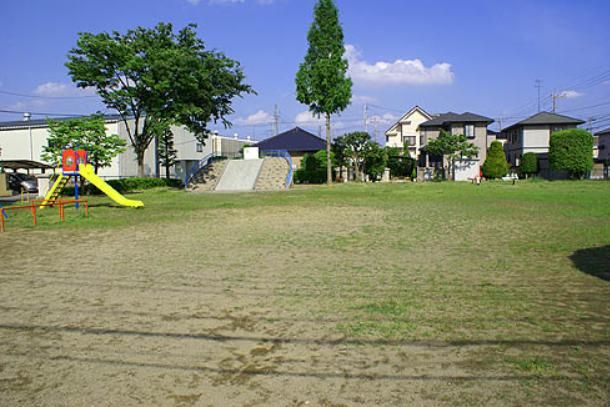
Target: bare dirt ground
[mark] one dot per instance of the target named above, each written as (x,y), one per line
(292,306)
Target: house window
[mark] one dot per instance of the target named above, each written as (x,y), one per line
(421,139)
(199,148)
(410,140)
(469,130)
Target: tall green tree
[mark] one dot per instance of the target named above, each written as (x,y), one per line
(495,165)
(157,78)
(572,151)
(166,152)
(87,133)
(452,147)
(322,82)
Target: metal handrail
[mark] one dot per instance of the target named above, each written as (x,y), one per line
(204,162)
(286,156)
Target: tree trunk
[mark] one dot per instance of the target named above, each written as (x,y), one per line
(140,157)
(329,169)
(167,171)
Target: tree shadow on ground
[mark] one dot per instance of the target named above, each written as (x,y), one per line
(594,261)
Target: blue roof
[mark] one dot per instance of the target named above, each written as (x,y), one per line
(296,139)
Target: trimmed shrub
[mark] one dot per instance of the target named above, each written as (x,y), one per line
(400,162)
(572,151)
(126,185)
(529,164)
(313,168)
(495,165)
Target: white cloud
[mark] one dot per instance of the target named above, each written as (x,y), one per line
(28,105)
(307,118)
(260,117)
(570,94)
(57,89)
(385,119)
(399,72)
(362,99)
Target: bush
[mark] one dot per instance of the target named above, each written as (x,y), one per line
(529,164)
(400,163)
(572,151)
(495,165)
(313,168)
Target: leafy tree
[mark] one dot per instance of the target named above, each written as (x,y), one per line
(356,145)
(87,133)
(529,164)
(452,146)
(322,82)
(572,151)
(157,78)
(313,168)
(375,160)
(495,165)
(341,153)
(166,151)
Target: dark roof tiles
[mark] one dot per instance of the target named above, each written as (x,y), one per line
(296,139)
(451,117)
(543,118)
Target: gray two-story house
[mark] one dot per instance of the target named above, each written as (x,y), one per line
(533,135)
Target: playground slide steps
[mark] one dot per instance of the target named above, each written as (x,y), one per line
(208,178)
(55,191)
(239,176)
(273,175)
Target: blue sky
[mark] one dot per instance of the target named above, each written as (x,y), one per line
(479,56)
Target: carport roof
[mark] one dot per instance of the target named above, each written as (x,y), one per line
(24,165)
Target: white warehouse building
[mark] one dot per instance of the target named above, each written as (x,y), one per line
(24,141)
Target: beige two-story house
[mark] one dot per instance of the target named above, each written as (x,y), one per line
(405,132)
(471,125)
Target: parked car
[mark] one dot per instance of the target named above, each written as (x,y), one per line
(19,182)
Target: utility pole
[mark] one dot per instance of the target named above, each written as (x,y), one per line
(554,97)
(590,126)
(539,86)
(366,118)
(276,121)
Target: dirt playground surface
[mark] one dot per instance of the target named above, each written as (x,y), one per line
(243,308)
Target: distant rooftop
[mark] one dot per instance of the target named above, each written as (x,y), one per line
(21,124)
(603,132)
(296,139)
(451,117)
(546,118)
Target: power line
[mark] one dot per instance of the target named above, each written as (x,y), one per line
(42,113)
(24,95)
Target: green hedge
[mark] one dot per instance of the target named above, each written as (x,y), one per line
(126,185)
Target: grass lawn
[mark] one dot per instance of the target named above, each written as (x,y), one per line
(411,294)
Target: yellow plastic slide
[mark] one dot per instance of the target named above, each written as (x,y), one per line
(86,170)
